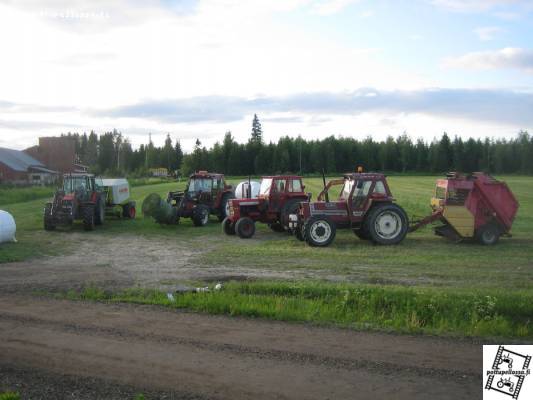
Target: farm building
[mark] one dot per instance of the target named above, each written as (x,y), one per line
(19,168)
(57,153)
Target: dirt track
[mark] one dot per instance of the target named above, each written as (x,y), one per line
(121,350)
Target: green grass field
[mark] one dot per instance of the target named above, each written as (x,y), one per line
(422,269)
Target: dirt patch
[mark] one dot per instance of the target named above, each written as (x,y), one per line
(164,351)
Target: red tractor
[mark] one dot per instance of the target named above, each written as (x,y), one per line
(365,205)
(279,196)
(80,198)
(206,193)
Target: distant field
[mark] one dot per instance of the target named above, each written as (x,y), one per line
(441,273)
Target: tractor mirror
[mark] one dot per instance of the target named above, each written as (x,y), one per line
(303,188)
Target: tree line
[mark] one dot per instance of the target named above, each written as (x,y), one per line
(111,153)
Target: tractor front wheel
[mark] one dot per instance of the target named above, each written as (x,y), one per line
(488,235)
(319,231)
(88,218)
(200,215)
(245,227)
(387,224)
(48,224)
(228,227)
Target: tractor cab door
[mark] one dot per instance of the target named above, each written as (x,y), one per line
(216,191)
(358,199)
(277,194)
(206,190)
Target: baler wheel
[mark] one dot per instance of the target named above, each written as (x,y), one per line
(228,227)
(387,224)
(200,215)
(319,231)
(88,218)
(488,234)
(129,211)
(245,227)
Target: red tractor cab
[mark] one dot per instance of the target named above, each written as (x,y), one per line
(279,196)
(364,205)
(206,193)
(79,198)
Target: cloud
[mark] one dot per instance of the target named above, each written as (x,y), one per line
(503,106)
(507,58)
(487,33)
(330,7)
(474,5)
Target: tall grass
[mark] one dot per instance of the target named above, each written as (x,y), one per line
(11,195)
(415,310)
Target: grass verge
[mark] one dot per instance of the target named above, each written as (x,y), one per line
(402,309)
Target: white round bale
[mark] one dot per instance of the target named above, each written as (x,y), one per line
(8,228)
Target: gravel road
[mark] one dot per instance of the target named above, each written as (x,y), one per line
(58,349)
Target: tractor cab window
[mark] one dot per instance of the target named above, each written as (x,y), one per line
(360,193)
(75,183)
(346,189)
(200,185)
(279,185)
(295,185)
(99,184)
(380,188)
(266,184)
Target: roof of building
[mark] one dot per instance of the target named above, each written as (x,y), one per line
(18,160)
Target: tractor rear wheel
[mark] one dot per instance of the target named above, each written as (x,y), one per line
(488,234)
(224,206)
(200,215)
(88,218)
(48,224)
(362,233)
(245,227)
(99,216)
(319,231)
(291,207)
(228,227)
(387,224)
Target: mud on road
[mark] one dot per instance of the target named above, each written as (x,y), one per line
(127,349)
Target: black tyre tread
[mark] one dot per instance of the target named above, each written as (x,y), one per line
(48,224)
(239,230)
(222,211)
(290,207)
(198,213)
(88,218)
(276,227)
(99,210)
(307,227)
(228,227)
(479,235)
(374,212)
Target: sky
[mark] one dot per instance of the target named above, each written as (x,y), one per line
(315,68)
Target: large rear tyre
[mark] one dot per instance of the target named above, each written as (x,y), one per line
(319,231)
(276,227)
(387,224)
(225,206)
(48,224)
(299,233)
(228,227)
(291,207)
(362,233)
(488,235)
(99,216)
(245,227)
(88,218)
(200,215)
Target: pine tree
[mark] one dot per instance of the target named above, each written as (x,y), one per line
(257,130)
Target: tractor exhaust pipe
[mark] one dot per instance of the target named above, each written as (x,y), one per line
(324,183)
